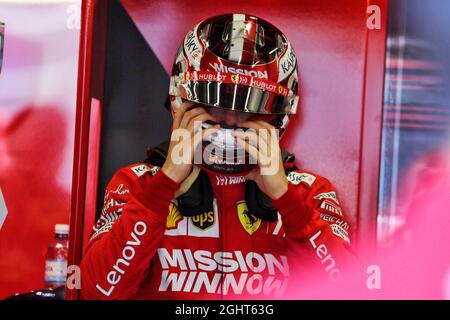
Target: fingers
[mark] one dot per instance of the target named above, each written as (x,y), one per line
(252,175)
(259,141)
(259,125)
(203,134)
(208,132)
(197,121)
(264,150)
(250,135)
(266,125)
(179,114)
(191,114)
(251,150)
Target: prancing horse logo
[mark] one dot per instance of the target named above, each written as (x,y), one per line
(248,220)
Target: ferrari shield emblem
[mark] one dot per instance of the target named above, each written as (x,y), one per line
(248,221)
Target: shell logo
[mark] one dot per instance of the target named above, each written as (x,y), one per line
(174,217)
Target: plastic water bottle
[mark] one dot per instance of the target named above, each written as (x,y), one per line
(56,257)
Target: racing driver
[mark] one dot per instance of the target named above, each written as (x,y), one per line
(240,220)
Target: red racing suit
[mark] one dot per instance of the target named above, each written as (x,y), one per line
(143,248)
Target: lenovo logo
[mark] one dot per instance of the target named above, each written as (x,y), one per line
(128,253)
(325,257)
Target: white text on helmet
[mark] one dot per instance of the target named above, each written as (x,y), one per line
(252,73)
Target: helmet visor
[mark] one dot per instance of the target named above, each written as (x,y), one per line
(236,92)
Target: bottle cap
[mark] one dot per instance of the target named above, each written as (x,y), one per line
(62,228)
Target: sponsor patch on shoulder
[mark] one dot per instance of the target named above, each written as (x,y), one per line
(103,229)
(327,195)
(333,220)
(298,177)
(154,170)
(331,207)
(140,170)
(340,232)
